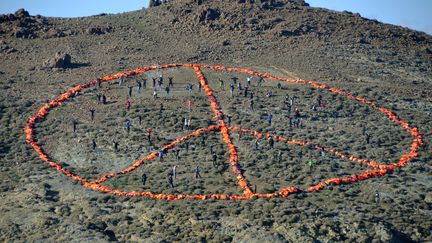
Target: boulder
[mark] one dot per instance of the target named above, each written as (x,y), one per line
(226,43)
(7,17)
(155,3)
(22,13)
(19,32)
(61,60)
(208,14)
(300,2)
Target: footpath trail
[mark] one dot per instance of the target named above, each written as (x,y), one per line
(375,169)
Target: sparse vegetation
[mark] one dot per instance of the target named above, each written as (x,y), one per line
(312,44)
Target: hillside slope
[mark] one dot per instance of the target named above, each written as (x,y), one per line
(387,64)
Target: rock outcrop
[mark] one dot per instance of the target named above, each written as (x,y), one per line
(61,60)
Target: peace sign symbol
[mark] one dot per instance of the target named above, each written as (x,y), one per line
(375,169)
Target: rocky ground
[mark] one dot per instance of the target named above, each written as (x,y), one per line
(386,64)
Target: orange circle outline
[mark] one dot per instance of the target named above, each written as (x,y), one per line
(377,171)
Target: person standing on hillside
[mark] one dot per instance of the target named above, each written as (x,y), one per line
(269,93)
(170,180)
(322,152)
(140,119)
(368,138)
(260,82)
(161,108)
(286,99)
(167,90)
(364,130)
(185,123)
(128,125)
(99,98)
(292,100)
(177,154)
(149,134)
(212,149)
(229,120)
(297,113)
(144,83)
(288,106)
(170,82)
(377,197)
(139,86)
(161,155)
(143,179)
(98,82)
(128,104)
(199,87)
(234,79)
(245,91)
(115,145)
(257,144)
(239,87)
(197,173)
(301,123)
(232,89)
(269,118)
(248,80)
(189,88)
(160,83)
(74,125)
(104,99)
(92,113)
(189,104)
(188,124)
(130,91)
(319,100)
(322,106)
(174,171)
(279,156)
(186,146)
(271,142)
(314,108)
(154,82)
(203,139)
(93,144)
(161,80)
(221,84)
(121,81)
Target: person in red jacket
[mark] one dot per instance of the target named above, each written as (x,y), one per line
(128,104)
(149,133)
